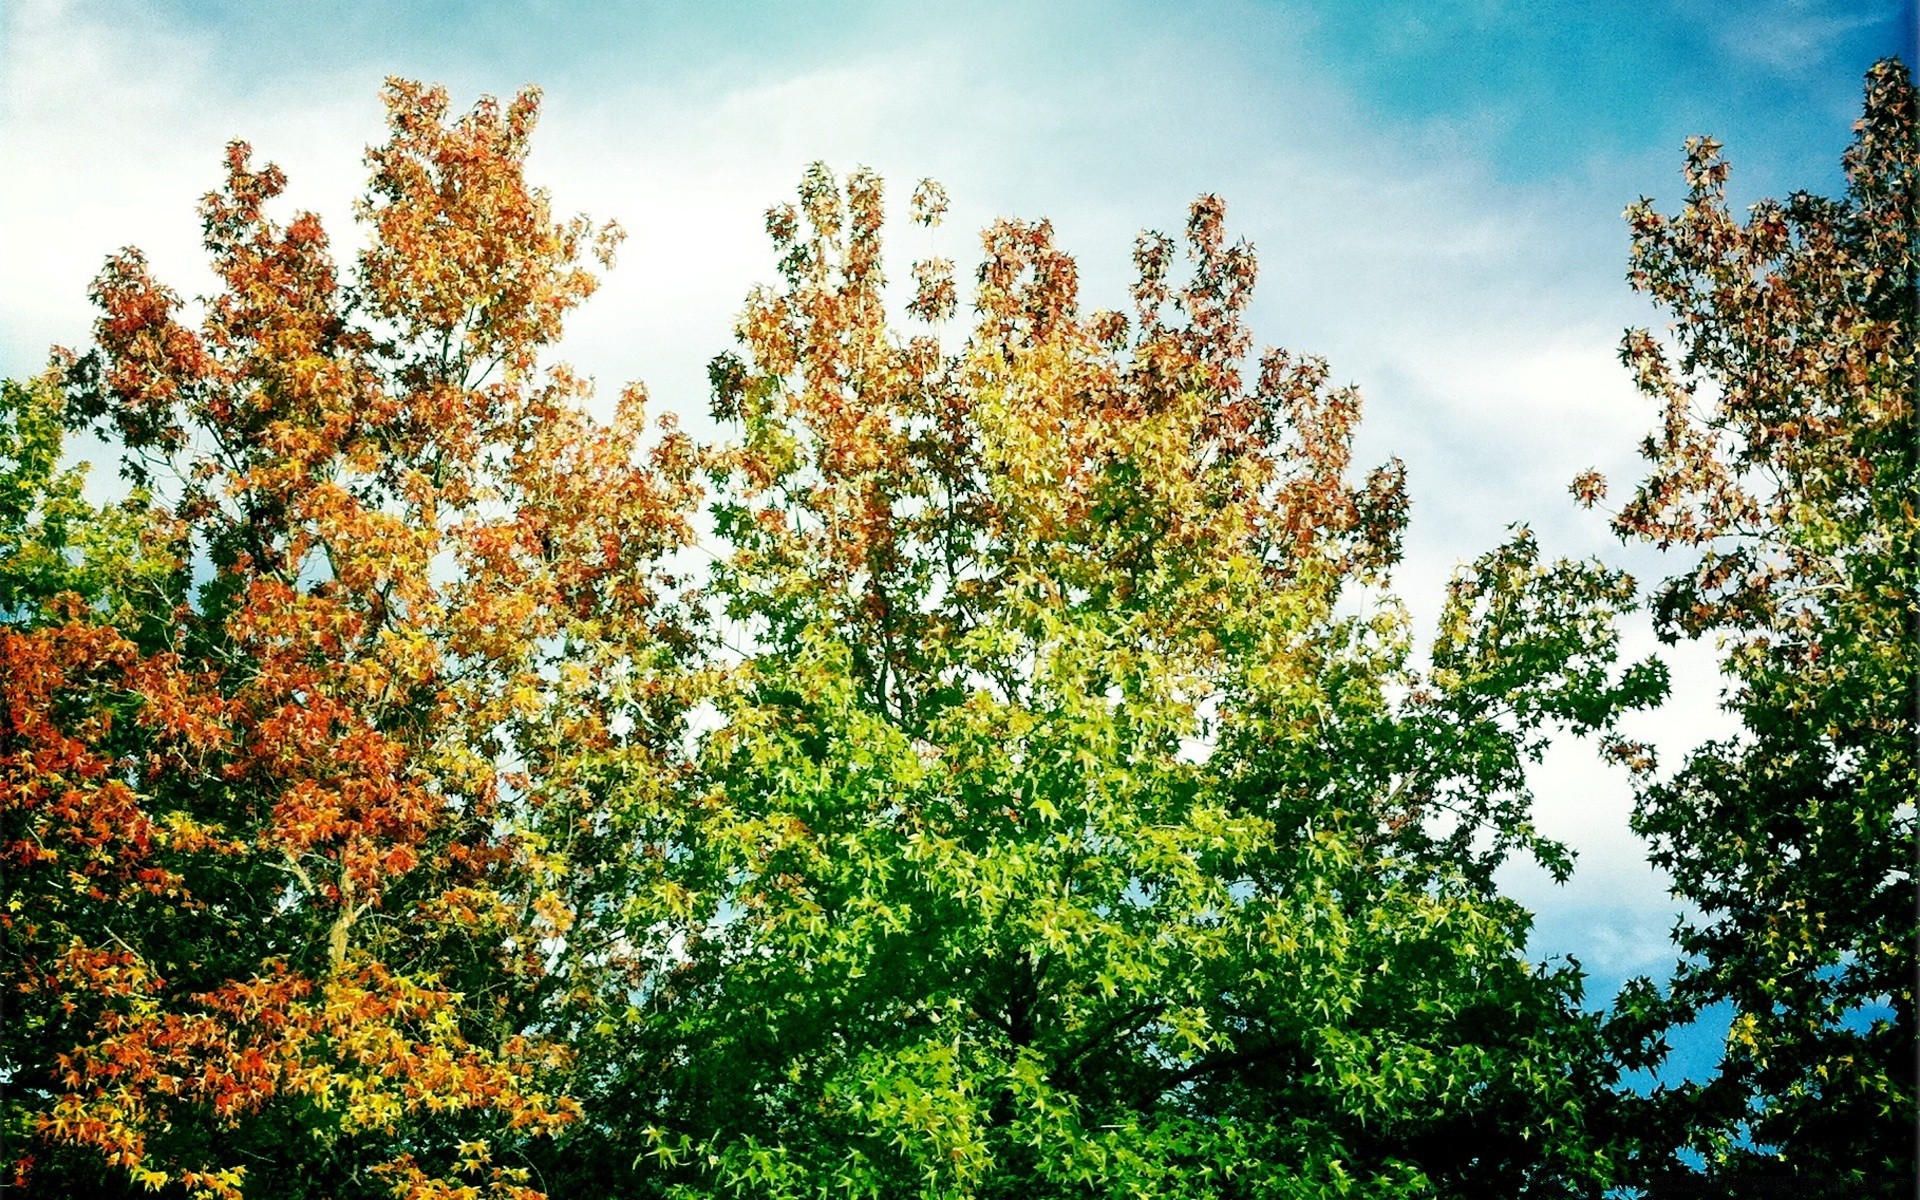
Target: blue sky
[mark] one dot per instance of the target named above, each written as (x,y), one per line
(1435,191)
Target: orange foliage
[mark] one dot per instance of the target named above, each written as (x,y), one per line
(283,843)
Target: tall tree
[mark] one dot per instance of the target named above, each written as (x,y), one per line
(1784,461)
(1077,824)
(313,845)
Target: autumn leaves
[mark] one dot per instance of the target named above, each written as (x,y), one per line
(1065,810)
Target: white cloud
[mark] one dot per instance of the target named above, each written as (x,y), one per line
(1792,37)
(114,125)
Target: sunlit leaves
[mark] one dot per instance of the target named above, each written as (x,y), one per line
(1784,459)
(1058,804)
(346,798)
(1064,832)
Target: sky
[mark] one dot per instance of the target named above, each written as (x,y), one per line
(1434,191)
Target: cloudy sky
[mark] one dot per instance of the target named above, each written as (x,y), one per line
(1434,190)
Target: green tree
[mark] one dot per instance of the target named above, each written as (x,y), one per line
(52,540)
(1077,824)
(1784,462)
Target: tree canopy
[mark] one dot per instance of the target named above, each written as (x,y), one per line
(315,765)
(1036,789)
(1784,461)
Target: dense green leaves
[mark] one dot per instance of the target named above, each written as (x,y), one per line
(1063,833)
(1786,460)
(1043,792)
(52,541)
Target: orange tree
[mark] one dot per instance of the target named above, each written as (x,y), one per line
(1078,823)
(1784,461)
(329,760)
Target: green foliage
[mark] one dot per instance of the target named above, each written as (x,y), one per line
(1076,823)
(52,541)
(1786,461)
(1052,798)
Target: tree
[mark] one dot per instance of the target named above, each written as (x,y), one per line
(1043,797)
(78,584)
(1785,461)
(326,765)
(52,541)
(1076,823)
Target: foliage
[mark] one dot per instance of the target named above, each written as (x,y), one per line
(308,859)
(1785,460)
(1077,825)
(1044,795)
